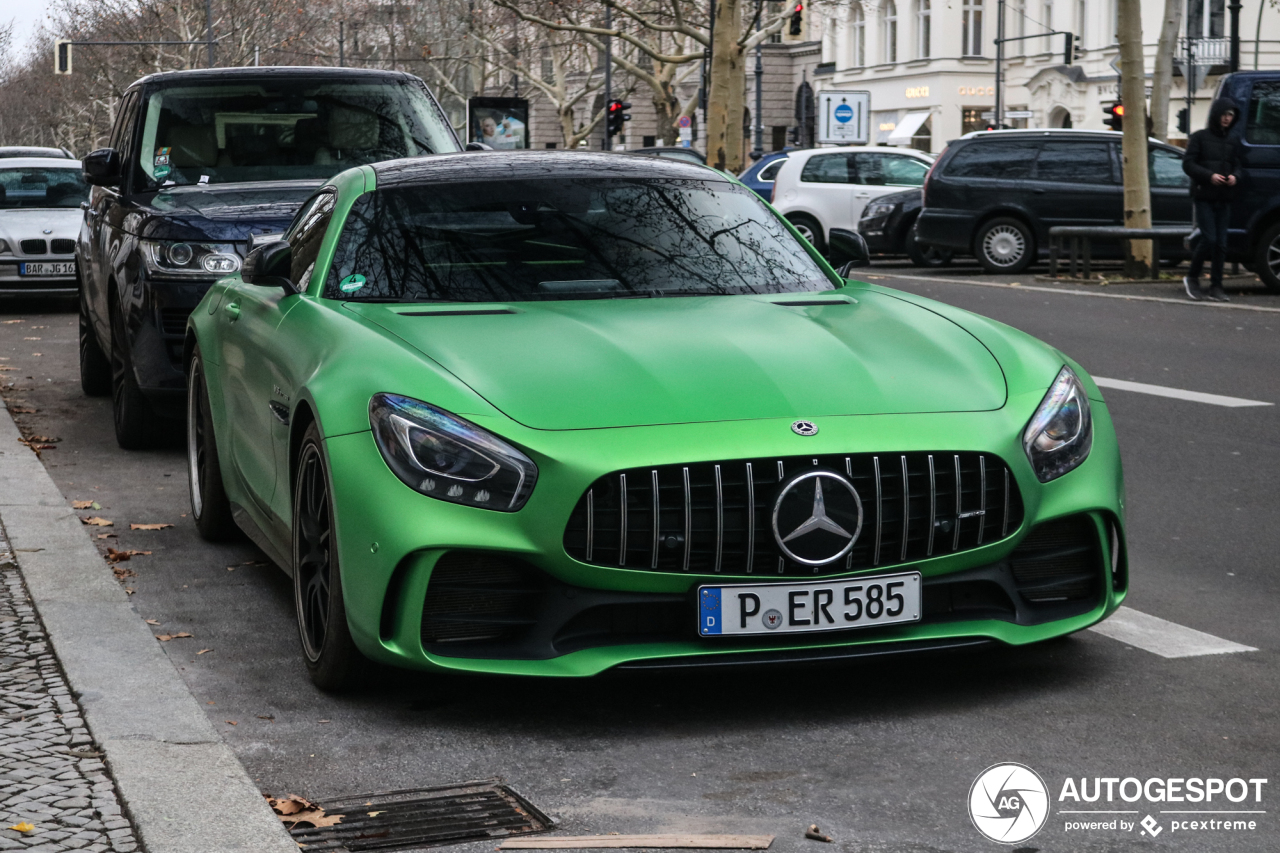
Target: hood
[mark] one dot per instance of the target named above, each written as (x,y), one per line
(225,213)
(1216,109)
(27,223)
(615,363)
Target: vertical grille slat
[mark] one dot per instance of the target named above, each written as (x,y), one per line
(912,511)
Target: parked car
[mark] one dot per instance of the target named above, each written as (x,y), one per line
(889,226)
(997,193)
(202,164)
(579,438)
(824,188)
(7,151)
(674,152)
(40,199)
(760,175)
(1254,236)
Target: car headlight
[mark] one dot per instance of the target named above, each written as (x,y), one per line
(1060,434)
(190,260)
(877,210)
(4,248)
(443,456)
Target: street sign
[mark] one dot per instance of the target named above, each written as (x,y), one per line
(844,117)
(686,132)
(684,121)
(990,115)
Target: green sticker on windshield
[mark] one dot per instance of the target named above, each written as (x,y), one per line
(351,283)
(162,172)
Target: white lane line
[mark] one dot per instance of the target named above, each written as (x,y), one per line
(1167,639)
(1177,393)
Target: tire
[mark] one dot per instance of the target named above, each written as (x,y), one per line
(137,427)
(209,505)
(95,367)
(1005,245)
(810,230)
(1266,260)
(330,655)
(923,255)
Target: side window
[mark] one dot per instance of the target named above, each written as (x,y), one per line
(890,170)
(307,233)
(1009,160)
(1263,120)
(829,169)
(1075,162)
(770,172)
(1166,169)
(124,122)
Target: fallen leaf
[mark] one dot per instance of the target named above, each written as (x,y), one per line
(82,505)
(47,438)
(31,339)
(22,410)
(10,322)
(326,721)
(816,834)
(121,573)
(114,556)
(23,827)
(95,521)
(374,814)
(232,723)
(37,355)
(202,651)
(164,638)
(152,621)
(294,810)
(129,590)
(268,717)
(108,536)
(7,367)
(149,526)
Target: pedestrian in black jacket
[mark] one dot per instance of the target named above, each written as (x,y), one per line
(1213,163)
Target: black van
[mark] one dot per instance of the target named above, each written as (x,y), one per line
(1254,237)
(997,193)
(201,164)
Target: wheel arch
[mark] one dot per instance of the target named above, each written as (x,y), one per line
(304,415)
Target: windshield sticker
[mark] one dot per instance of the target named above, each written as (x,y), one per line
(162,172)
(351,283)
(162,156)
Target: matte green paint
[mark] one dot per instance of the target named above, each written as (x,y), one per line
(589,387)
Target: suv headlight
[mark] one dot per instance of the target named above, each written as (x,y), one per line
(443,456)
(1060,434)
(190,260)
(877,209)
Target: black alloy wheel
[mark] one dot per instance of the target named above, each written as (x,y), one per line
(135,422)
(331,656)
(95,367)
(1005,245)
(925,255)
(1266,262)
(209,504)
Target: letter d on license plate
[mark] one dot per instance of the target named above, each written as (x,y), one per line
(792,608)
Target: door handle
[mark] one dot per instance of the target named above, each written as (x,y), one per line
(232,310)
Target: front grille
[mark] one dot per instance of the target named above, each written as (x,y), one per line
(717,517)
(173,321)
(63,247)
(477,596)
(1058,561)
(34,247)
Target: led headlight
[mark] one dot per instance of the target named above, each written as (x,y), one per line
(1060,434)
(443,456)
(190,260)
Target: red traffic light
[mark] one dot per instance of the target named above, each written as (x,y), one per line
(1118,110)
(799,7)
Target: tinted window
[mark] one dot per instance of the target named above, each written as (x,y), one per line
(770,172)
(306,234)
(42,187)
(1075,162)
(548,239)
(1264,114)
(829,169)
(890,170)
(1001,159)
(1166,169)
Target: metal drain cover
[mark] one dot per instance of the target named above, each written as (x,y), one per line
(424,817)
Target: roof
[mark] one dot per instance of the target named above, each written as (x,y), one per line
(1081,133)
(39,163)
(806,153)
(9,151)
(266,72)
(514,165)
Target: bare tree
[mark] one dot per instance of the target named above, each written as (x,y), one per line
(1162,74)
(1137,189)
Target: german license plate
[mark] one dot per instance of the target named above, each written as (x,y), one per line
(795,608)
(48,268)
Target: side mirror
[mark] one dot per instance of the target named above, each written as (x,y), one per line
(102,167)
(268,266)
(848,250)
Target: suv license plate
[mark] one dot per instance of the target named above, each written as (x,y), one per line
(48,268)
(794,608)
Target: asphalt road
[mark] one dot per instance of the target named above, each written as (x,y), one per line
(880,756)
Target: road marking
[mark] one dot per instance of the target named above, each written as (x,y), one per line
(1167,639)
(1177,393)
(1229,306)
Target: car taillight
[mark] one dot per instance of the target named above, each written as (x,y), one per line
(924,187)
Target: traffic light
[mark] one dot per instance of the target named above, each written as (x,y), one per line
(1115,116)
(797,18)
(62,57)
(793,136)
(1184,120)
(1071,50)
(618,116)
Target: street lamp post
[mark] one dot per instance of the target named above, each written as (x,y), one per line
(758,149)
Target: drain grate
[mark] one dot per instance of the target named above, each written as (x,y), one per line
(424,817)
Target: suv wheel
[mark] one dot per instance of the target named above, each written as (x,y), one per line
(135,423)
(810,230)
(95,367)
(1266,262)
(924,255)
(1005,245)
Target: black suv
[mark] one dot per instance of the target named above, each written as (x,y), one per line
(200,165)
(997,193)
(1254,237)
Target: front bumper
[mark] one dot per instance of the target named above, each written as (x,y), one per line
(579,619)
(13,285)
(157,323)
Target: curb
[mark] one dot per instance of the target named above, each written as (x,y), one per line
(159,745)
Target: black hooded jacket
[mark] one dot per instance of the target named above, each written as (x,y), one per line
(1211,152)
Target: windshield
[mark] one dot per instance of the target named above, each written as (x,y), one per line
(282,130)
(550,239)
(42,187)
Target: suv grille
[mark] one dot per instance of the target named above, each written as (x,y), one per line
(173,321)
(34,247)
(717,517)
(64,247)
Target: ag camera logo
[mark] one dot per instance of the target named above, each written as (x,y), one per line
(1008,803)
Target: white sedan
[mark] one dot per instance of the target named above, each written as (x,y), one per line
(824,188)
(40,219)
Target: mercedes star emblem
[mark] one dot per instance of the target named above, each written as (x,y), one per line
(804,428)
(814,526)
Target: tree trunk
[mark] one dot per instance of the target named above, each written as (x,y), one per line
(1137,189)
(1162,74)
(666,108)
(724,129)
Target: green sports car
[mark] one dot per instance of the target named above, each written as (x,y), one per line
(551,413)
